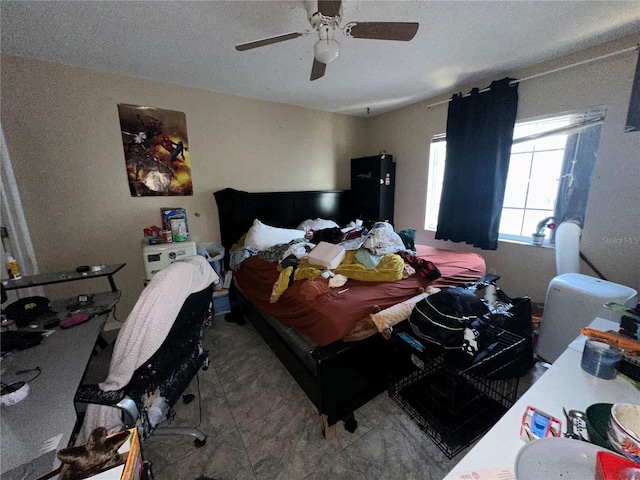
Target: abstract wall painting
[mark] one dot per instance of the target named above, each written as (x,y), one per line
(156,151)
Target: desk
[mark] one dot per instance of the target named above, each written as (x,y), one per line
(36,428)
(565,384)
(61,277)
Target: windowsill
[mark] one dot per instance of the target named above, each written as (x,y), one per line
(516,242)
(523,242)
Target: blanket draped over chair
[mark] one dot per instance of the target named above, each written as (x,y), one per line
(145,330)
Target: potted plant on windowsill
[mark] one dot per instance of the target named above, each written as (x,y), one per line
(537,237)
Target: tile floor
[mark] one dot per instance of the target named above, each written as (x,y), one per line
(260,425)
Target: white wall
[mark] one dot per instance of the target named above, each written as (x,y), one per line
(63,135)
(613,211)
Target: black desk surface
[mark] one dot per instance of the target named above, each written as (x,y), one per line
(60,277)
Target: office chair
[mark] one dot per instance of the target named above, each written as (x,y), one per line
(146,395)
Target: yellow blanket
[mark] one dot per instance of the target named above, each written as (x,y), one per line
(389,269)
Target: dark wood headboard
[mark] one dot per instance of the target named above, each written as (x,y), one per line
(237,210)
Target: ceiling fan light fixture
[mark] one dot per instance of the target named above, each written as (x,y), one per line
(324,17)
(326,50)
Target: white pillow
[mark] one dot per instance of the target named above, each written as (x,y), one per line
(317,224)
(263,236)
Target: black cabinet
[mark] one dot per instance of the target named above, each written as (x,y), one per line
(373,188)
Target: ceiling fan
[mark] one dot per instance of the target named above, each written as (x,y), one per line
(324,16)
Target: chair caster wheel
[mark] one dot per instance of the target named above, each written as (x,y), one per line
(199,443)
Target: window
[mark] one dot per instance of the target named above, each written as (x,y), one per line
(549,156)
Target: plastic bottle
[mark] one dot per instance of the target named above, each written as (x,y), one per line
(12,268)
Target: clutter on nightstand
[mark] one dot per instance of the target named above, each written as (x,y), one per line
(174,227)
(162,246)
(174,220)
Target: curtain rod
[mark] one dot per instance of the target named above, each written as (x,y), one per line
(513,82)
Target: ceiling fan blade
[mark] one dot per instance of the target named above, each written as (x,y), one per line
(329,8)
(269,41)
(317,70)
(402,31)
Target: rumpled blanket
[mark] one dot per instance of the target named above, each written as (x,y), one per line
(145,330)
(383,239)
(389,317)
(382,321)
(389,269)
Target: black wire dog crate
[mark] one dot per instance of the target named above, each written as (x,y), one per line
(451,397)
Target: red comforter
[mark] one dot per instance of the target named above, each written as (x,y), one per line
(331,315)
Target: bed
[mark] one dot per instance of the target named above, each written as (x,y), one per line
(326,344)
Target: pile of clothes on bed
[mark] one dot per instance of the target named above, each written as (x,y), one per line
(377,255)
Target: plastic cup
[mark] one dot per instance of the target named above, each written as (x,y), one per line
(600,359)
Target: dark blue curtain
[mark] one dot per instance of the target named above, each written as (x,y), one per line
(633,116)
(479,138)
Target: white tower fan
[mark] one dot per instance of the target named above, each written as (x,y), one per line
(573,300)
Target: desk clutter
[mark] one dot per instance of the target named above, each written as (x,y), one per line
(79,273)
(553,458)
(19,340)
(608,354)
(42,366)
(24,310)
(603,441)
(609,448)
(27,319)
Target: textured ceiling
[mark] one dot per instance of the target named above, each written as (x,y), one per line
(192,44)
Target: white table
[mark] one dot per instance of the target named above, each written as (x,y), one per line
(40,425)
(566,385)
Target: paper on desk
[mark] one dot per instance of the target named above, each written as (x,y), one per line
(497,473)
(51,444)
